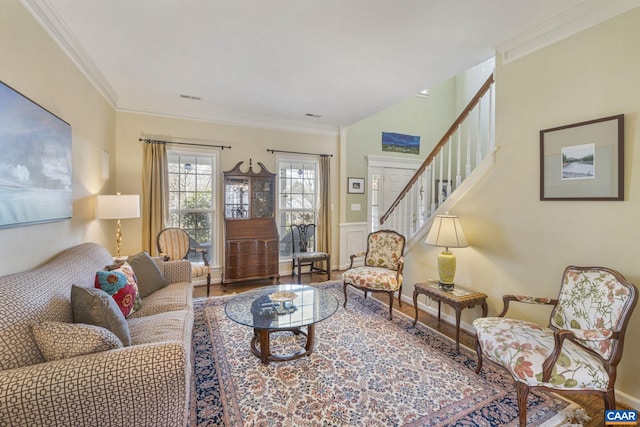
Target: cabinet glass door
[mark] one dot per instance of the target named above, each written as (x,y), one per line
(262,197)
(236,197)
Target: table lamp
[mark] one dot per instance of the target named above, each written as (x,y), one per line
(118,207)
(446,232)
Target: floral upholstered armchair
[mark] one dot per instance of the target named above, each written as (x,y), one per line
(581,348)
(382,270)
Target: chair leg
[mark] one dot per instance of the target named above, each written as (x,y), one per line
(328,267)
(299,272)
(391,305)
(522,390)
(479,353)
(345,295)
(610,400)
(400,296)
(208,283)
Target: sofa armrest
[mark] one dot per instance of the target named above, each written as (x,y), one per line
(177,271)
(137,385)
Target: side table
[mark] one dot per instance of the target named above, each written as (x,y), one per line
(458,298)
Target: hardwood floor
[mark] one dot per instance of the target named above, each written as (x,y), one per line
(592,404)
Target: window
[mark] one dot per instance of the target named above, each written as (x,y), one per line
(297,196)
(192,197)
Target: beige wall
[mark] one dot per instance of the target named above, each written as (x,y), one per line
(33,65)
(522,245)
(247,143)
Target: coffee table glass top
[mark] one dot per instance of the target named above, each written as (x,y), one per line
(255,309)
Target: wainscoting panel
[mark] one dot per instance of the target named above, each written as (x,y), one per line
(353,239)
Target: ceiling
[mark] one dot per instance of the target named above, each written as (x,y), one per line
(272,63)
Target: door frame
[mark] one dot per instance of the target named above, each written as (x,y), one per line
(386,163)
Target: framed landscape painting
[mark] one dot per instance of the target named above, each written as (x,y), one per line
(35,165)
(583,161)
(400,143)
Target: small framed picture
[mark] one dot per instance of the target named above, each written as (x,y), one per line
(355,185)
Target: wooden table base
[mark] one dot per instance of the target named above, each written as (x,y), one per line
(261,344)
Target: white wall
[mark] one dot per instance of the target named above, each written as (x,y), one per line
(33,65)
(520,244)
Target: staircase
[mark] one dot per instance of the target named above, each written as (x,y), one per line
(461,157)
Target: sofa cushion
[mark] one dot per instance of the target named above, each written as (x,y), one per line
(176,296)
(57,340)
(96,307)
(120,282)
(170,326)
(148,273)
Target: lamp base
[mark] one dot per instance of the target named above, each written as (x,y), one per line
(446,268)
(446,286)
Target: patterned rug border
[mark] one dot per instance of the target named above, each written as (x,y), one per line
(211,393)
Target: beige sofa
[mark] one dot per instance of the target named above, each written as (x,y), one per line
(144,384)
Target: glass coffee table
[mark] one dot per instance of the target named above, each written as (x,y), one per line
(281,308)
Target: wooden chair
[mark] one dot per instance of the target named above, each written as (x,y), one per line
(382,270)
(303,254)
(174,243)
(580,349)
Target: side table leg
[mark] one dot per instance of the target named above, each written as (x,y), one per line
(439,302)
(415,305)
(458,312)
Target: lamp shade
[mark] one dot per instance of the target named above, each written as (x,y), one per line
(446,231)
(118,206)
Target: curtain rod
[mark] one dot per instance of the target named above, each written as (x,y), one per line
(156,141)
(298,152)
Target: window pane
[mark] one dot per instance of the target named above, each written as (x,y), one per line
(297,198)
(191,197)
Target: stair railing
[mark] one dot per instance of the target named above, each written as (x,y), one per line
(464,145)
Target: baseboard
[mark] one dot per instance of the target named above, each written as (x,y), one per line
(627,400)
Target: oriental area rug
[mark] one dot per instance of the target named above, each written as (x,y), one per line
(365,371)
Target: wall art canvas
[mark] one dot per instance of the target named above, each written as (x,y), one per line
(35,162)
(400,143)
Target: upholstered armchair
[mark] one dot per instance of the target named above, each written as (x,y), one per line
(175,244)
(382,270)
(580,349)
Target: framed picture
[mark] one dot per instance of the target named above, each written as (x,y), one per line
(442,189)
(355,185)
(583,161)
(400,143)
(35,171)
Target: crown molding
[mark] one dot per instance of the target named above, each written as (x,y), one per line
(48,18)
(233,119)
(570,22)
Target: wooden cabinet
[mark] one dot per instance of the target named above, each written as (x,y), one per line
(251,249)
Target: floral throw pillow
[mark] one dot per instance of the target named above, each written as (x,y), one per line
(120,282)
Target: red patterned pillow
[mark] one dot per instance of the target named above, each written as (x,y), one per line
(120,282)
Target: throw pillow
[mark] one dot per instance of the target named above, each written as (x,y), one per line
(58,340)
(148,273)
(96,307)
(120,282)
